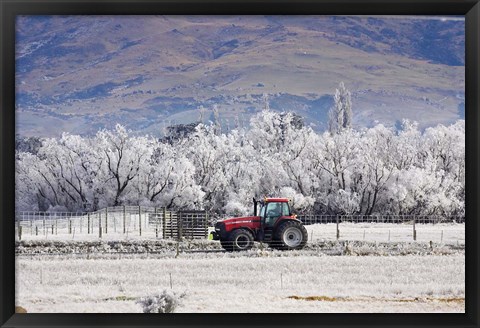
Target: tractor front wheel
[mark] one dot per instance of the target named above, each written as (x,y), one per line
(239,240)
(291,235)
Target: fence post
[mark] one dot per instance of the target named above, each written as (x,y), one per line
(171,223)
(36,230)
(69,226)
(179,224)
(140,220)
(193,224)
(106,220)
(414,231)
(206,224)
(164,218)
(338,230)
(52,228)
(44,231)
(124,219)
(100,224)
(88,222)
(115,223)
(19,231)
(155,215)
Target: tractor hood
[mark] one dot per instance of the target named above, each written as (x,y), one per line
(246,219)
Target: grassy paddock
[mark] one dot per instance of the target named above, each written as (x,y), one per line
(219,283)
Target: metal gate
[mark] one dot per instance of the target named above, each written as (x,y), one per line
(182,224)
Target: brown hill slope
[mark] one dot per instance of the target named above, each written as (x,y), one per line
(79,74)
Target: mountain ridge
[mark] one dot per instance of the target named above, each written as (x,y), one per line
(80,74)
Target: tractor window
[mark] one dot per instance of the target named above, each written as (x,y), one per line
(262,211)
(274,209)
(285,209)
(273,212)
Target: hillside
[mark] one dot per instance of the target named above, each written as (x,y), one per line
(80,74)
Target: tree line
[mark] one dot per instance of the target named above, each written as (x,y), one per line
(341,171)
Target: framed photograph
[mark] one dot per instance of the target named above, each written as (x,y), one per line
(186,163)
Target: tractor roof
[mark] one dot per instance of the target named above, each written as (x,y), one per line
(277,200)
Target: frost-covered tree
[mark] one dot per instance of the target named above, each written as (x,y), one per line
(72,165)
(208,152)
(201,113)
(29,184)
(376,149)
(216,119)
(177,132)
(62,173)
(340,115)
(266,102)
(406,150)
(28,144)
(165,180)
(123,156)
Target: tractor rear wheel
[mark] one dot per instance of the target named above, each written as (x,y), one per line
(239,240)
(290,235)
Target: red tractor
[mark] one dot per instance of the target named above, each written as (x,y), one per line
(274,225)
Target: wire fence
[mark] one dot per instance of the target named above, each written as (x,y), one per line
(129,221)
(309,218)
(385,228)
(143,222)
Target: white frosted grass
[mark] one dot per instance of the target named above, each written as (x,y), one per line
(244,284)
(453,233)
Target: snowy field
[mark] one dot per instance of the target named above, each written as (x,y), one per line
(222,282)
(374,267)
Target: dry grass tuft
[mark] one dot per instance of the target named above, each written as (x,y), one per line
(406,300)
(19,309)
(317,298)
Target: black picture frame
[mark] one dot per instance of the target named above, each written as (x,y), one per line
(11,8)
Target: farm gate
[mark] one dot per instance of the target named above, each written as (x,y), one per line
(178,224)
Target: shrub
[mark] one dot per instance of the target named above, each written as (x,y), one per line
(164,302)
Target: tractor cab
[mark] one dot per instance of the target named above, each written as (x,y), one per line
(271,210)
